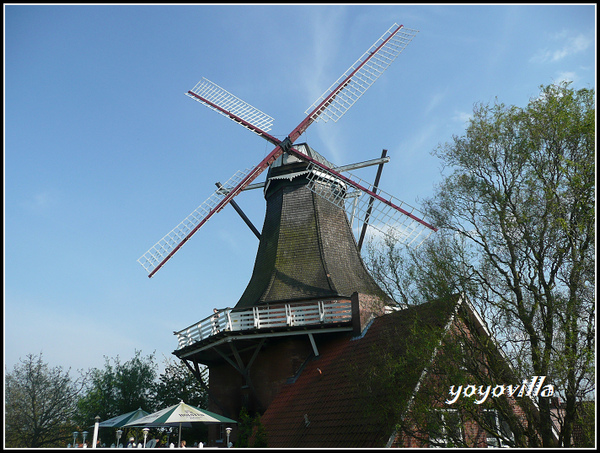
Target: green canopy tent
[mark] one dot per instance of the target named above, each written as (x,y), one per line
(121,420)
(181,415)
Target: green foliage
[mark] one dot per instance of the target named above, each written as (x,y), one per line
(260,435)
(40,405)
(522,196)
(178,383)
(397,362)
(244,429)
(118,388)
(251,431)
(45,406)
(516,219)
(586,421)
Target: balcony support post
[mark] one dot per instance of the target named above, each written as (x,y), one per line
(313,344)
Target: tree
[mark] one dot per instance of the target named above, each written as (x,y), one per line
(517,233)
(118,388)
(178,383)
(251,431)
(40,404)
(44,406)
(245,426)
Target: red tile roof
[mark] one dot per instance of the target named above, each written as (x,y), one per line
(328,404)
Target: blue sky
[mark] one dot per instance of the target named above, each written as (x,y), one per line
(104,154)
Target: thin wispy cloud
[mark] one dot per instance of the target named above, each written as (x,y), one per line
(434,102)
(462,117)
(570,45)
(325,34)
(421,141)
(41,202)
(568,76)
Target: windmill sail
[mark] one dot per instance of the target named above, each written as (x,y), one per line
(164,249)
(222,101)
(361,75)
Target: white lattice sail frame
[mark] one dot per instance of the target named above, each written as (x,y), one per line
(217,96)
(395,219)
(356,86)
(171,242)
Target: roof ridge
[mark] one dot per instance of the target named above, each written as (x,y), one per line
(319,234)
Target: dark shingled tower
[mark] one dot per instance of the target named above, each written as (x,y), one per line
(307,250)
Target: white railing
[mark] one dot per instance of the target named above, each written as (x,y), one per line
(267,317)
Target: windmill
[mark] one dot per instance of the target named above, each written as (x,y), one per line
(358,198)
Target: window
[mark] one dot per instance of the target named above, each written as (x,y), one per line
(445,429)
(500,434)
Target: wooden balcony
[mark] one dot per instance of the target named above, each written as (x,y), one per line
(293,316)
